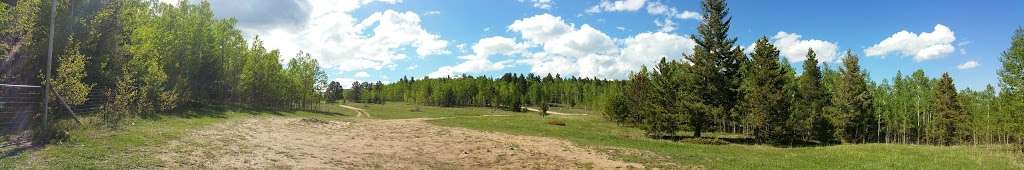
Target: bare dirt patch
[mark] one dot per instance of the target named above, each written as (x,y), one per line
(276,143)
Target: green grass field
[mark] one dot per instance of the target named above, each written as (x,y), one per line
(592,131)
(135,146)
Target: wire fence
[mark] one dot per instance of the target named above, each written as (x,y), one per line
(20,105)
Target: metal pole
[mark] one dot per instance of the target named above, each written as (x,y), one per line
(49,65)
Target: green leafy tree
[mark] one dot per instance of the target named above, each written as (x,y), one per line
(1011,82)
(71,74)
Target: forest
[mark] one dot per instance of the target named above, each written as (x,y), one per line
(133,58)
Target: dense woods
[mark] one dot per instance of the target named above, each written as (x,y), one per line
(510,91)
(821,105)
(136,57)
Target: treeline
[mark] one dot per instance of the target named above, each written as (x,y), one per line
(719,88)
(510,91)
(142,57)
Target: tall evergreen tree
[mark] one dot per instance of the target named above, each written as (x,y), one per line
(854,102)
(953,118)
(715,66)
(765,101)
(812,100)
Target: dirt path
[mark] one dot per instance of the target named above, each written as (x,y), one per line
(556,113)
(294,143)
(359,112)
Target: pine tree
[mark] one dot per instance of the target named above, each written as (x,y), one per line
(953,117)
(642,96)
(715,66)
(666,88)
(765,101)
(854,102)
(813,99)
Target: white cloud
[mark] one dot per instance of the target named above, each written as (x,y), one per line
(648,48)
(922,46)
(617,6)
(657,8)
(362,74)
(498,45)
(967,65)
(665,25)
(412,67)
(340,41)
(432,13)
(581,42)
(795,49)
(540,28)
(542,4)
(480,60)
(588,52)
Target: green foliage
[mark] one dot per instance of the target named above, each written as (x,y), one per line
(765,100)
(812,101)
(334,92)
(855,103)
(953,118)
(70,74)
(1011,82)
(716,69)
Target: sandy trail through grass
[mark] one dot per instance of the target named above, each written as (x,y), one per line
(359,112)
(277,142)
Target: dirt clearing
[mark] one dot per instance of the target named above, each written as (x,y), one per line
(296,143)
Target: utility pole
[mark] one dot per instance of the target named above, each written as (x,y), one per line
(49,66)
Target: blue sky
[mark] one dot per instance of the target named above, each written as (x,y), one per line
(371,40)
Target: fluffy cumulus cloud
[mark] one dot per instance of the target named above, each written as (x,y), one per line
(337,39)
(587,52)
(617,6)
(968,65)
(541,28)
(480,60)
(795,49)
(648,48)
(921,46)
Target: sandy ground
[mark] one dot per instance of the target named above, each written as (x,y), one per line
(295,143)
